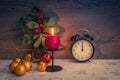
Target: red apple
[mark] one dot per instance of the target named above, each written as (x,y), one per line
(46,57)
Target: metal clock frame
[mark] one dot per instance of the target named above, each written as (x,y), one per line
(92,47)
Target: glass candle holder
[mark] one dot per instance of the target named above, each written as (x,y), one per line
(52,41)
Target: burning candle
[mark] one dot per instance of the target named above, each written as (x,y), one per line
(52,41)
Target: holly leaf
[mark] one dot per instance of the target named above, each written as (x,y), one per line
(36,36)
(26,38)
(22,20)
(44,35)
(52,21)
(37,43)
(32,24)
(43,43)
(41,50)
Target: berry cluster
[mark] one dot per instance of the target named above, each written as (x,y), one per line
(41,25)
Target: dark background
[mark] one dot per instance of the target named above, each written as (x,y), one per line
(100,17)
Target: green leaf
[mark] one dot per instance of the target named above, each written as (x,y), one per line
(45,20)
(22,20)
(37,43)
(36,36)
(25,38)
(44,35)
(41,50)
(32,24)
(43,43)
(52,21)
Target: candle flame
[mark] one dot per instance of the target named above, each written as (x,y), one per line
(52,31)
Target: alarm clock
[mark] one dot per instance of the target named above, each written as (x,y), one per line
(82,48)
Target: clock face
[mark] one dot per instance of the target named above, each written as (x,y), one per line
(82,50)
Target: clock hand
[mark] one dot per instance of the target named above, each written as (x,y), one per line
(82,46)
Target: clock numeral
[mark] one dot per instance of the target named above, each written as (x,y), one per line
(86,56)
(75,53)
(75,45)
(73,50)
(82,57)
(90,49)
(89,45)
(89,54)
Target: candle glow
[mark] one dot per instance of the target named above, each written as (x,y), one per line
(52,31)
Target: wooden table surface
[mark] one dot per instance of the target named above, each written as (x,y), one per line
(97,69)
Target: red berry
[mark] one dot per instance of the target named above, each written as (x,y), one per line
(24,23)
(44,16)
(41,25)
(37,14)
(43,31)
(36,30)
(40,16)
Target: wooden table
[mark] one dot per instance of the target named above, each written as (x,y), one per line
(97,69)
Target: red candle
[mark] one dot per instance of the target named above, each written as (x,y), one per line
(52,41)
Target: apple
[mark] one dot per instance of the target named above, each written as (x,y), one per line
(46,57)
